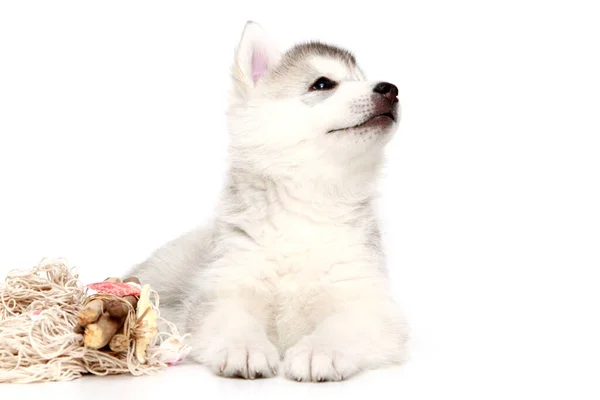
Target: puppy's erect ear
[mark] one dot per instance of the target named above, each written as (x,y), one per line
(255,55)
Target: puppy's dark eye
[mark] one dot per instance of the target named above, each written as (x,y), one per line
(323,83)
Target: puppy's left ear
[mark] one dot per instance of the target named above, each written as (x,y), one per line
(255,55)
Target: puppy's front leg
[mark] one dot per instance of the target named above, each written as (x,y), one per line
(228,319)
(230,339)
(356,338)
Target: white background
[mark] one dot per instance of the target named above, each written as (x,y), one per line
(112,141)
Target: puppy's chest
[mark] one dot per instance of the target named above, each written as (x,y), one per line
(306,258)
(298,245)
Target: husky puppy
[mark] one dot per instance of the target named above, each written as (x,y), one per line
(291,267)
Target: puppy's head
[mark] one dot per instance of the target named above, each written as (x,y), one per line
(308,112)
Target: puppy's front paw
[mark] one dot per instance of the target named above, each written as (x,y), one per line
(248,358)
(308,361)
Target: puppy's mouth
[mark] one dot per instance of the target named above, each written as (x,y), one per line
(387,114)
(381,120)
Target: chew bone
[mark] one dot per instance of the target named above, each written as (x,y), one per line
(120,342)
(90,313)
(98,334)
(79,329)
(118,309)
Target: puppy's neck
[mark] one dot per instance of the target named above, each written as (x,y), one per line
(315,190)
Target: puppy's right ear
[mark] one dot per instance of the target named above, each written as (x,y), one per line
(255,55)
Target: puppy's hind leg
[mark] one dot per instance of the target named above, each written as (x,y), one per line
(170,269)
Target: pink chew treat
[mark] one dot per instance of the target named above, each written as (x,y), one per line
(116,288)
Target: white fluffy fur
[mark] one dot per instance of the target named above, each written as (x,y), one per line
(291,267)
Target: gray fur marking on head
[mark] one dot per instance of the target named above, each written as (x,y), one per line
(295,56)
(304,50)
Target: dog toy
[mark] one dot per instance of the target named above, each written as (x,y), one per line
(54,328)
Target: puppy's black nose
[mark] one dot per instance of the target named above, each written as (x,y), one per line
(388,91)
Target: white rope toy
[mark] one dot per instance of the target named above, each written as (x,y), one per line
(41,338)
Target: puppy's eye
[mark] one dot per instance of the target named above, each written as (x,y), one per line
(323,83)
